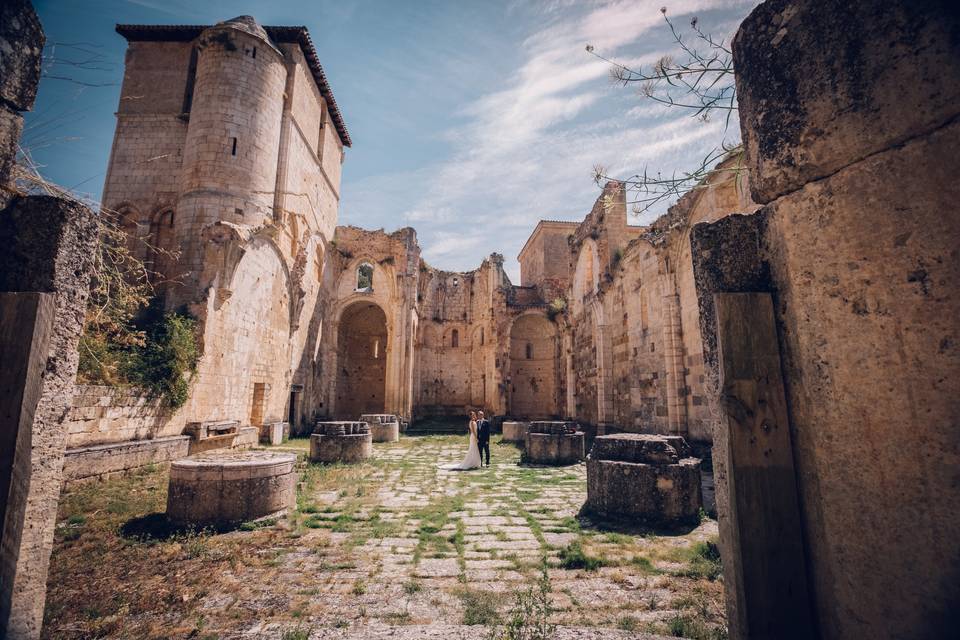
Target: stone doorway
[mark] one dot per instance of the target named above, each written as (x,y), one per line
(361,361)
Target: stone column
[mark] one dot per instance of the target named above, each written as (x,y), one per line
(48,243)
(850,116)
(44,285)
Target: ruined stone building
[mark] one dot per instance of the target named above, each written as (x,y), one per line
(801,313)
(225,169)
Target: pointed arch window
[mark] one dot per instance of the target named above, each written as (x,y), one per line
(365,277)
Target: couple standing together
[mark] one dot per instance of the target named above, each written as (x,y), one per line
(479,441)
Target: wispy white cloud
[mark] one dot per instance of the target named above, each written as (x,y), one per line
(525,149)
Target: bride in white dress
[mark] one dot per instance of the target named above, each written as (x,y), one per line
(472,459)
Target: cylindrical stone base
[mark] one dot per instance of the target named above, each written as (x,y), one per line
(554,449)
(350,448)
(389,432)
(666,494)
(223,488)
(514,431)
(385,427)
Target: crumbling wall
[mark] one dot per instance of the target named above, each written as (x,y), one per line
(534,359)
(394,259)
(637,364)
(849,116)
(459,333)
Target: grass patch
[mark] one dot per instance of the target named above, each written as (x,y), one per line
(644,565)
(704,563)
(628,623)
(479,607)
(574,557)
(297,633)
(681,626)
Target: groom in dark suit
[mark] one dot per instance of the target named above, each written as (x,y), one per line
(483,437)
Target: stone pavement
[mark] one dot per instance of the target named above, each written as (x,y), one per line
(396,547)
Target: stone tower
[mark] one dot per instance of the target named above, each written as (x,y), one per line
(225,172)
(231,150)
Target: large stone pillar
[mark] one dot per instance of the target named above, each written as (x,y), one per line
(849,114)
(48,243)
(44,284)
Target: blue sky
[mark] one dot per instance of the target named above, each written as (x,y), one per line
(471,120)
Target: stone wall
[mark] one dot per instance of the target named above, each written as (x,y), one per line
(534,390)
(546,254)
(633,352)
(460,333)
(102,415)
(849,115)
(244,191)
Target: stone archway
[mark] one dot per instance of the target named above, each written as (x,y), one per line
(361,361)
(533,367)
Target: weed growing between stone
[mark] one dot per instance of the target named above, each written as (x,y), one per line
(394,542)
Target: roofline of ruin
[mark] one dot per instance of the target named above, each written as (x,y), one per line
(285,34)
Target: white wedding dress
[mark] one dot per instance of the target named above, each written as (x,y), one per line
(472,459)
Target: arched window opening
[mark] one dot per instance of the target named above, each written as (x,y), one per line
(529,351)
(455,338)
(365,277)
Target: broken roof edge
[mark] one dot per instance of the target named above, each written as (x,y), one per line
(280,34)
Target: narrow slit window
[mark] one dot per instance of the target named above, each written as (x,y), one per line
(254,56)
(233,146)
(376,348)
(455,338)
(529,351)
(481,336)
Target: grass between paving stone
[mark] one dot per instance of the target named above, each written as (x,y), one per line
(153,587)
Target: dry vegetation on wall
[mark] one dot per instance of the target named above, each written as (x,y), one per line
(127,338)
(700,79)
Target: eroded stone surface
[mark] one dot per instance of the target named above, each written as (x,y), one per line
(230,487)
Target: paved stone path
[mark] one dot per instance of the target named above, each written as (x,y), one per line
(397,547)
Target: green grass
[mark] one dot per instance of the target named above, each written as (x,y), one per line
(643,563)
(574,557)
(479,607)
(704,562)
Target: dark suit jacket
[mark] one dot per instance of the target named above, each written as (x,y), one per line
(483,430)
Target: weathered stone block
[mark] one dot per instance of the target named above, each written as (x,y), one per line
(642,477)
(635,447)
(818,91)
(274,432)
(228,488)
(21,46)
(554,443)
(101,460)
(515,431)
(383,427)
(347,442)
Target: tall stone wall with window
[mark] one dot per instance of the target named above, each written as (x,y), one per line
(633,356)
(227,156)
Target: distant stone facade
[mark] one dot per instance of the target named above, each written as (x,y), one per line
(226,171)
